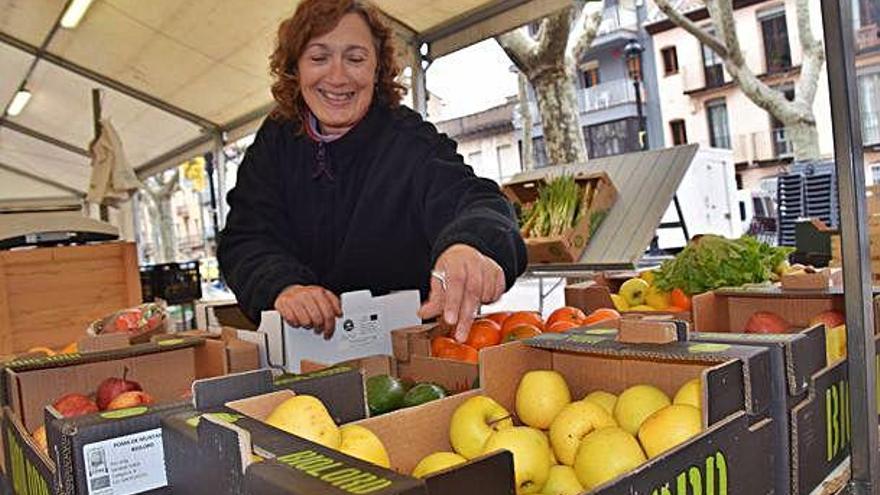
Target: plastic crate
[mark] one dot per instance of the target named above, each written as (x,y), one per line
(175,283)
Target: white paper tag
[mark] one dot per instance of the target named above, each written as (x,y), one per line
(126,465)
(360,330)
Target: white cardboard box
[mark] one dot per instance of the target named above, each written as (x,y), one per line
(364,329)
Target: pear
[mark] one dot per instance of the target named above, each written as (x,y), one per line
(306,417)
(531,456)
(606,454)
(438,461)
(669,427)
(636,403)
(689,394)
(571,425)
(605,399)
(473,422)
(362,443)
(540,396)
(562,481)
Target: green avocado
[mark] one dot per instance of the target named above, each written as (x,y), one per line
(423,392)
(384,393)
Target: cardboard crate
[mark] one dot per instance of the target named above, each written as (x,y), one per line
(599,194)
(48,296)
(813,398)
(739,434)
(165,369)
(214,449)
(817,392)
(590,296)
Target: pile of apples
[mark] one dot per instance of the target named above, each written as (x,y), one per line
(306,417)
(113,393)
(563,446)
(835,329)
(640,294)
(498,328)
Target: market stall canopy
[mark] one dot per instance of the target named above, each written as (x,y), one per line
(176,76)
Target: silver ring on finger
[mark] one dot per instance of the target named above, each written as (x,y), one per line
(441,276)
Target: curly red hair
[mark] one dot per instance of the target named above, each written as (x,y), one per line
(315,18)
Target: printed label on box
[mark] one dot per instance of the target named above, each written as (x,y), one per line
(126,465)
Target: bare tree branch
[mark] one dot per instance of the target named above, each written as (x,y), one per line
(812,53)
(683,22)
(553,37)
(721,13)
(584,30)
(519,47)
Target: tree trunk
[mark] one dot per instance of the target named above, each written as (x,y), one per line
(166,225)
(563,139)
(525,113)
(804,139)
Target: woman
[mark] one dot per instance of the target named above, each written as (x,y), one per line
(345,189)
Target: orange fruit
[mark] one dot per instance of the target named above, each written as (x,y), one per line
(521,317)
(566,313)
(601,314)
(497,317)
(440,343)
(674,309)
(459,352)
(484,333)
(71,348)
(561,326)
(680,299)
(519,332)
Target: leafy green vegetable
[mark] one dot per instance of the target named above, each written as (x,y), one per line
(557,208)
(710,261)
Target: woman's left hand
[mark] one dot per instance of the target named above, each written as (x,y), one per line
(471,279)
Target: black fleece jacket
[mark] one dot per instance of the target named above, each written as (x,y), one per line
(371,210)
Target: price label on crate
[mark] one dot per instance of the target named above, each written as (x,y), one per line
(125,465)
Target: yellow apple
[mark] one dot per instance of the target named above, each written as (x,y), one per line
(473,422)
(634,291)
(531,456)
(636,403)
(438,461)
(689,394)
(574,422)
(620,303)
(306,417)
(604,399)
(669,427)
(362,443)
(606,454)
(562,481)
(540,396)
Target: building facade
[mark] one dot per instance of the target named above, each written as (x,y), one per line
(607,85)
(487,141)
(700,103)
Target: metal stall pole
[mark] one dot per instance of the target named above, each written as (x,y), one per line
(839,39)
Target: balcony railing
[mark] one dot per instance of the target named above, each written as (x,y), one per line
(609,94)
(769,145)
(617,17)
(870,131)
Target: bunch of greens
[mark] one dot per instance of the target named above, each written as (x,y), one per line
(709,262)
(558,207)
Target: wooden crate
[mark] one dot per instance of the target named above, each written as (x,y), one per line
(48,296)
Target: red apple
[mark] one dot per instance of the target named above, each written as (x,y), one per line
(130,399)
(831,318)
(767,322)
(112,387)
(72,405)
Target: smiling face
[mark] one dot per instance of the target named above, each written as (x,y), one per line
(337,74)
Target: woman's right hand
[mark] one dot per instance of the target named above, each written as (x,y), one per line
(309,306)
